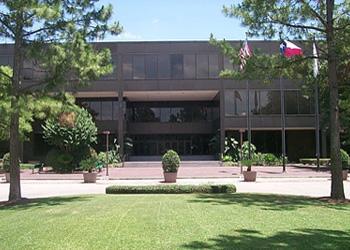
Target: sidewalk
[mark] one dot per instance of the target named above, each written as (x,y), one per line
(188,172)
(314,187)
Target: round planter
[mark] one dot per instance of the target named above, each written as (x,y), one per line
(7,177)
(249,175)
(345,175)
(170,177)
(90,177)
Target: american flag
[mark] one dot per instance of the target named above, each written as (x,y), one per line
(244,53)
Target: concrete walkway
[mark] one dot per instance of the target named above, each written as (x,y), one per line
(314,187)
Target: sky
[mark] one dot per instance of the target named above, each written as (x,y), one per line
(150,20)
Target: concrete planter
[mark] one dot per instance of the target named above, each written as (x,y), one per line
(170,177)
(7,177)
(249,175)
(90,177)
(345,174)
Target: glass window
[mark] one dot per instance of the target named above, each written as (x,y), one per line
(270,102)
(306,104)
(139,67)
(95,108)
(127,67)
(4,60)
(146,114)
(107,110)
(202,66)
(151,66)
(291,102)
(189,66)
(176,63)
(235,102)
(213,66)
(115,110)
(165,115)
(164,66)
(227,64)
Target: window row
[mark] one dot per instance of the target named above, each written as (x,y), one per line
(102,110)
(172,114)
(264,102)
(173,66)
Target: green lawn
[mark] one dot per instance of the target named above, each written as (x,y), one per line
(236,221)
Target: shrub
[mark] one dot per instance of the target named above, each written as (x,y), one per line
(60,162)
(259,159)
(89,164)
(6,162)
(248,164)
(113,158)
(345,158)
(71,132)
(226,158)
(271,159)
(231,149)
(171,189)
(170,161)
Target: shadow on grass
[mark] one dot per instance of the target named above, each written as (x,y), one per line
(296,239)
(42,202)
(266,201)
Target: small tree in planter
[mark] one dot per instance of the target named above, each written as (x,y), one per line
(345,159)
(6,166)
(170,164)
(89,164)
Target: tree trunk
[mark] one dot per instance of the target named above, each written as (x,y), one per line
(15,179)
(337,188)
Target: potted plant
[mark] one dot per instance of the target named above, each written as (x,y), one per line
(248,175)
(89,164)
(6,166)
(345,158)
(170,164)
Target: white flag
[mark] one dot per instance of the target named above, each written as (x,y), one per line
(316,63)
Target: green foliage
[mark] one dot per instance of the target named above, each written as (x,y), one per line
(61,162)
(89,164)
(73,131)
(170,161)
(313,161)
(113,158)
(245,150)
(171,189)
(248,164)
(227,158)
(345,158)
(231,148)
(6,162)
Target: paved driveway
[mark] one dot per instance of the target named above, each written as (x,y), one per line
(315,187)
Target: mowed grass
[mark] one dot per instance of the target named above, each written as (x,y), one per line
(230,221)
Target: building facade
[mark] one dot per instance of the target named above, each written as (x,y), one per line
(164,95)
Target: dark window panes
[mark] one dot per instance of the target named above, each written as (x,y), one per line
(151,66)
(189,66)
(291,102)
(139,67)
(115,111)
(305,104)
(4,60)
(176,115)
(270,102)
(146,114)
(165,114)
(127,67)
(107,110)
(164,66)
(176,64)
(202,66)
(227,64)
(213,66)
(235,102)
(95,108)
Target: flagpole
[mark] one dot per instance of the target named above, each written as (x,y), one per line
(317,107)
(283,124)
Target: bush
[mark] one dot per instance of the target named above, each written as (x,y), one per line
(271,159)
(231,149)
(113,158)
(6,162)
(171,189)
(345,158)
(170,161)
(227,158)
(60,162)
(89,164)
(245,150)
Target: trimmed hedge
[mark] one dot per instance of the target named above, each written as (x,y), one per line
(313,161)
(171,189)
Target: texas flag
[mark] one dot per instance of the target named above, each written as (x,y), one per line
(289,49)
